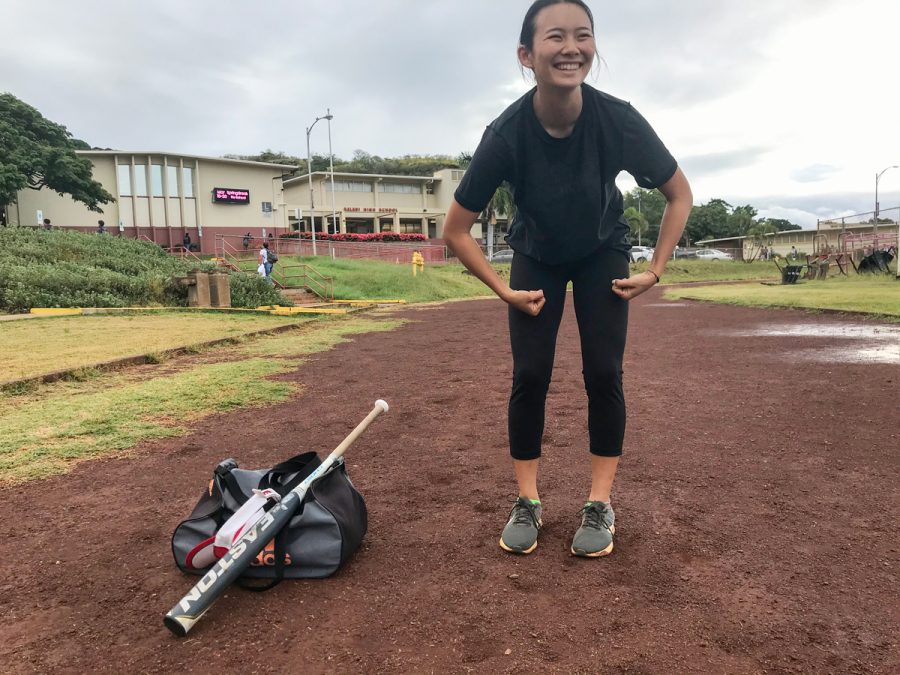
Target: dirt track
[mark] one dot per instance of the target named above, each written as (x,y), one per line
(757,518)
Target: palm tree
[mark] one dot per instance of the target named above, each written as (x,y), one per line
(501,203)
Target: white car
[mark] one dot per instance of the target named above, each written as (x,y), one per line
(713,254)
(641,253)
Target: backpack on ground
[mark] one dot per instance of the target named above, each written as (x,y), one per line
(325,533)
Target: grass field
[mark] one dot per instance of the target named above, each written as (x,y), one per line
(681,271)
(39,346)
(874,295)
(372,279)
(46,431)
(377,280)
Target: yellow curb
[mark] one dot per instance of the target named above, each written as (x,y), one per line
(55,311)
(369,302)
(287,311)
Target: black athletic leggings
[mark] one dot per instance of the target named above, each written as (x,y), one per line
(602,323)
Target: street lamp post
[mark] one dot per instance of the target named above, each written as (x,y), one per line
(328,117)
(312,200)
(639,213)
(878,178)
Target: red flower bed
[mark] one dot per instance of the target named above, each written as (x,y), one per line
(377,237)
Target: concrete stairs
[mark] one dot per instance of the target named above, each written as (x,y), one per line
(301,296)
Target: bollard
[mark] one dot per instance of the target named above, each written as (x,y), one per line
(220,288)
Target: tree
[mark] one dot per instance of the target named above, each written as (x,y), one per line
(650,204)
(758,234)
(501,203)
(780,224)
(36,153)
(741,220)
(708,221)
(636,222)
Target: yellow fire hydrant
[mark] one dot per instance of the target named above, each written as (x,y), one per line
(418,263)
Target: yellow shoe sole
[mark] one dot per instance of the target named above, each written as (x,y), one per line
(526,551)
(597,554)
(512,550)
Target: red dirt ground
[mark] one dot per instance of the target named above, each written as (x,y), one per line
(757,518)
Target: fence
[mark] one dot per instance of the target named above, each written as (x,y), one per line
(394,252)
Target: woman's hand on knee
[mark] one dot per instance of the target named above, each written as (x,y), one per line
(530,302)
(634,285)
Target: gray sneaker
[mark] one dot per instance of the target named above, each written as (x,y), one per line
(521,532)
(595,536)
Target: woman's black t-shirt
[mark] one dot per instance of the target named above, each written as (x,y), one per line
(567,202)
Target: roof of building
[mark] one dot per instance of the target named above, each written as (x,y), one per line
(379,176)
(286,168)
(832,226)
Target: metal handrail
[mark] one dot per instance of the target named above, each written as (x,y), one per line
(311,278)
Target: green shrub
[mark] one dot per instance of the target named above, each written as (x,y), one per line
(72,269)
(251,290)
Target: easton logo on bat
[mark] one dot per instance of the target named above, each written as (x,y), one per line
(209,579)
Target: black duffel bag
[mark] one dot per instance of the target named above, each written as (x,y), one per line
(327,530)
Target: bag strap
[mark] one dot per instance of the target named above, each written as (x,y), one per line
(249,585)
(298,467)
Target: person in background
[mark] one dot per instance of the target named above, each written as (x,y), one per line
(186,241)
(47,225)
(264,269)
(101,227)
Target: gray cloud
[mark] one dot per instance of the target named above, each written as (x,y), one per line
(806,209)
(400,76)
(697,166)
(814,173)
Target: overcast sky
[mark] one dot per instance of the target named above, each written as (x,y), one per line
(792,107)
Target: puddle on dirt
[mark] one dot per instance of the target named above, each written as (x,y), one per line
(864,343)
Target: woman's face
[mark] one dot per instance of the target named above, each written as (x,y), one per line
(563,49)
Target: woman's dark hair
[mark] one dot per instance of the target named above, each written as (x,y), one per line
(526,37)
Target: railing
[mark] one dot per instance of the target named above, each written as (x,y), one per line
(284,275)
(395,252)
(891,215)
(300,275)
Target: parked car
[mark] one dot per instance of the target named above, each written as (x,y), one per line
(713,254)
(641,253)
(506,255)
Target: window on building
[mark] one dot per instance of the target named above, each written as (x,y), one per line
(124,174)
(349,186)
(187,179)
(140,180)
(156,179)
(403,188)
(411,227)
(456,175)
(172,180)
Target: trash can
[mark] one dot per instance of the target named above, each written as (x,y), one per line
(790,274)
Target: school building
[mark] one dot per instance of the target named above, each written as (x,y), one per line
(163,196)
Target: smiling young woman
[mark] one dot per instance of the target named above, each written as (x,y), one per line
(561,146)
